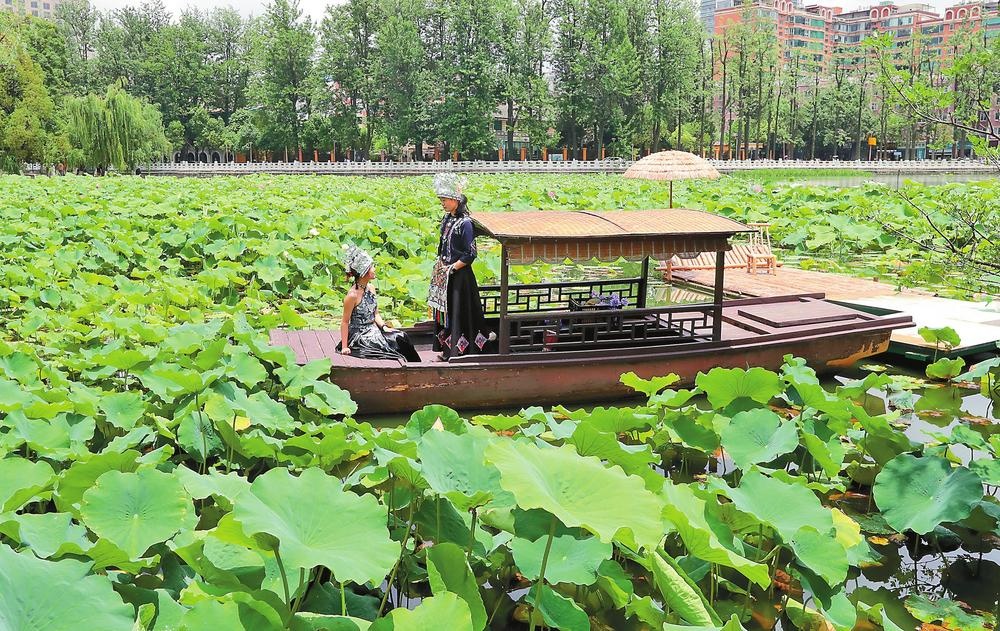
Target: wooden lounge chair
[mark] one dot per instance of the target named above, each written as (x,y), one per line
(746,256)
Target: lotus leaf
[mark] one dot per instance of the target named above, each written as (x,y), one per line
(449,571)
(680,592)
(648,387)
(558,611)
(454,465)
(424,419)
(945,335)
(945,368)
(570,560)
(324,599)
(733,624)
(316,522)
(920,493)
(948,613)
(579,491)
(57,596)
(123,409)
(758,436)
(21,480)
(47,534)
(136,510)
(441,611)
(725,385)
(704,534)
(81,475)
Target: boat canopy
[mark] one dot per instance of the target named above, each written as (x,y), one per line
(552,236)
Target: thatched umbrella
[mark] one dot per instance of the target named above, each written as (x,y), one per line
(670,166)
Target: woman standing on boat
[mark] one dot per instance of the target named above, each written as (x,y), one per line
(362,326)
(454,293)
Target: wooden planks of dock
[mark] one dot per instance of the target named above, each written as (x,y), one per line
(977,323)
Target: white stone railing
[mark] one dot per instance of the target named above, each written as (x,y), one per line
(612,165)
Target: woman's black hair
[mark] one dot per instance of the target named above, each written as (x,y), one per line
(463,206)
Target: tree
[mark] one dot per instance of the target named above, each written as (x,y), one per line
(283,53)
(27,125)
(117,130)
(77,19)
(406,107)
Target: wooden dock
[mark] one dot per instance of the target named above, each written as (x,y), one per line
(977,323)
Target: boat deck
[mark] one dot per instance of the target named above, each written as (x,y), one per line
(742,320)
(977,323)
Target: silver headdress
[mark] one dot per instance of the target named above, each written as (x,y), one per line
(449,185)
(357,260)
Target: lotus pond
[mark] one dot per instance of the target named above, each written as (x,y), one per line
(162,467)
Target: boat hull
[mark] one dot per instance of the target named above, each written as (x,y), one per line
(588,378)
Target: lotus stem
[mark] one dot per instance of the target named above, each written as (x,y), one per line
(284,579)
(472,539)
(541,573)
(302,596)
(343,599)
(395,567)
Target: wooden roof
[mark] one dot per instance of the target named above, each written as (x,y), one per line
(553,236)
(585,224)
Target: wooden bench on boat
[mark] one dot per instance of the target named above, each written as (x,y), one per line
(549,350)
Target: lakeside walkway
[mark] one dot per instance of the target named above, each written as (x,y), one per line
(611,165)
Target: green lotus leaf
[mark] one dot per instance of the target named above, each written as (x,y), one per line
(13,396)
(725,385)
(679,591)
(944,335)
(987,469)
(454,465)
(647,610)
(245,368)
(919,493)
(949,613)
(570,560)
(230,614)
(21,480)
(634,460)
(782,506)
(614,582)
(823,555)
(123,409)
(198,437)
(758,436)
(424,419)
(296,378)
(705,535)
(558,611)
(330,399)
(980,370)
(81,475)
(46,534)
(187,338)
(441,611)
(308,621)
(449,571)
(733,624)
(648,387)
(615,421)
(57,596)
(199,486)
(316,522)
(579,490)
(945,368)
(136,510)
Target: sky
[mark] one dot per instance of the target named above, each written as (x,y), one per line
(316,8)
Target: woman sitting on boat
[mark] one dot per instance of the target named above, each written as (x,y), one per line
(454,293)
(362,326)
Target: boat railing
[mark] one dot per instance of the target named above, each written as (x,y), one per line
(609,328)
(547,297)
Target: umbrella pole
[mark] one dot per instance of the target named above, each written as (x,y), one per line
(671,194)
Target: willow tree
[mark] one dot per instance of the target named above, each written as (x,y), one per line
(117,130)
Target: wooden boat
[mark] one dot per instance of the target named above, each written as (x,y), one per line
(554,347)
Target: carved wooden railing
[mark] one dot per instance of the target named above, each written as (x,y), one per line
(545,297)
(609,328)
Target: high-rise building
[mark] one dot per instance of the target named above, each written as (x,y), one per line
(38,8)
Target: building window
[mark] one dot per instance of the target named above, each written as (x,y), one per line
(34,4)
(46,6)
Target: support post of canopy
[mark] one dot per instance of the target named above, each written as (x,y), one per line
(643,283)
(720,270)
(504,332)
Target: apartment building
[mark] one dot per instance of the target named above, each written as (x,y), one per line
(38,8)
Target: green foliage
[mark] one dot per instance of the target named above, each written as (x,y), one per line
(117,130)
